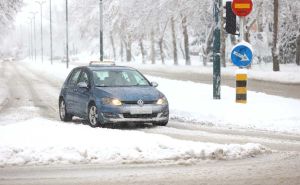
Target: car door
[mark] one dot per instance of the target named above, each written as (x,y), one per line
(82,95)
(70,90)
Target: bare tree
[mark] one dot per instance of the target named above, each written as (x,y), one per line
(298,50)
(275,51)
(141,44)
(112,44)
(206,48)
(186,41)
(175,56)
(152,48)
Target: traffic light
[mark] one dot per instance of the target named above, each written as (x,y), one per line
(230,19)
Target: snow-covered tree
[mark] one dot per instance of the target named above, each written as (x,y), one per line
(8,10)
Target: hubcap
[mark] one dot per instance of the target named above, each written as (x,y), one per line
(62,109)
(93,115)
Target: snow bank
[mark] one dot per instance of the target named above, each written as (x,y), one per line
(40,141)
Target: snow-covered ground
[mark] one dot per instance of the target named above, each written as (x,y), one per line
(42,141)
(192,102)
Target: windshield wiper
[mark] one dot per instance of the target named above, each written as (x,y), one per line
(102,86)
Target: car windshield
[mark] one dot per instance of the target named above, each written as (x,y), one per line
(119,78)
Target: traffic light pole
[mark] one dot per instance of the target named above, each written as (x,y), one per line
(67,35)
(101,29)
(217,51)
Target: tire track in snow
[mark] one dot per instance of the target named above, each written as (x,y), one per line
(2,80)
(39,99)
(40,76)
(49,87)
(20,105)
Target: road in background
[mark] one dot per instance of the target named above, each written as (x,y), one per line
(272,88)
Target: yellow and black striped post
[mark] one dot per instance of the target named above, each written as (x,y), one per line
(241,88)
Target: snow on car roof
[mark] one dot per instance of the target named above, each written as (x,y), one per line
(108,67)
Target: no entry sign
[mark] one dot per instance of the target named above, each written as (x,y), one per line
(242,8)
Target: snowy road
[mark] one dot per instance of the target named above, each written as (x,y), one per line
(34,94)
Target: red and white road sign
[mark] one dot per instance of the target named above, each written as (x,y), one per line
(242,8)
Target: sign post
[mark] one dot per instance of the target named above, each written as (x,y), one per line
(242,53)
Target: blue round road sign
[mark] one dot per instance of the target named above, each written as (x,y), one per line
(242,55)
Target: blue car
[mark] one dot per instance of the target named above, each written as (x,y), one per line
(109,95)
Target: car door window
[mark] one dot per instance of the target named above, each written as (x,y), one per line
(84,78)
(74,78)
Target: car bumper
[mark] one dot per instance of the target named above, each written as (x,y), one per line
(124,114)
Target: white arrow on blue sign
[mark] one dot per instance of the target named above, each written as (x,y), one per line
(242,54)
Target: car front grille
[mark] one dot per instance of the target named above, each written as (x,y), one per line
(135,102)
(127,115)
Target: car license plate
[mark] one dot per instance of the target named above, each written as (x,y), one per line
(141,110)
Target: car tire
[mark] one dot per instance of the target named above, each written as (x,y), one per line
(63,114)
(93,116)
(163,123)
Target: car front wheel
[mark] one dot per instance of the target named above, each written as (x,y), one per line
(63,114)
(93,116)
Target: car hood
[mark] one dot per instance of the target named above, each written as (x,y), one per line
(130,93)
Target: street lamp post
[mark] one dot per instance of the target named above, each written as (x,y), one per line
(41,9)
(30,38)
(67,35)
(101,29)
(34,34)
(51,49)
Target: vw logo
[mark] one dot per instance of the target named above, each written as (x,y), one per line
(140,103)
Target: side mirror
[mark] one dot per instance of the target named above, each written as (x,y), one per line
(154,84)
(82,85)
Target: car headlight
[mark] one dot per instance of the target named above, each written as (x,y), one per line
(111,101)
(162,101)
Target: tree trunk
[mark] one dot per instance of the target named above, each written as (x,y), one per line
(128,48)
(113,45)
(122,49)
(223,40)
(206,49)
(142,50)
(186,41)
(275,52)
(152,48)
(175,55)
(298,50)
(128,51)
(259,17)
(161,49)
(181,49)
